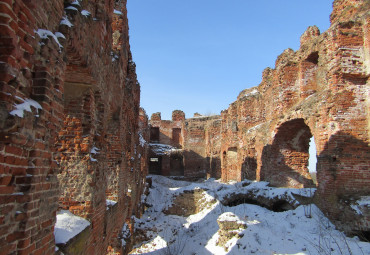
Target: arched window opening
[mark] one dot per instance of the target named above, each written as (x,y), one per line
(285,161)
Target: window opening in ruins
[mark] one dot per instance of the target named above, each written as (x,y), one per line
(285,161)
(232,155)
(224,159)
(249,168)
(154,134)
(308,76)
(176,136)
(312,161)
(313,58)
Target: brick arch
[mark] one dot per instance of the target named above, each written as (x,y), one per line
(285,161)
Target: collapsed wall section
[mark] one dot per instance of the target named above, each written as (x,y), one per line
(70,123)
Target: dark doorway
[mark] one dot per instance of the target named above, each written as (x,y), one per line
(154,134)
(155,165)
(177,165)
(249,168)
(176,136)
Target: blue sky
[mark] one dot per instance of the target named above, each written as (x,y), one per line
(197,55)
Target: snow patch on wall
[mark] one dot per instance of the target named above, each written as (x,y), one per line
(117,12)
(44,34)
(85,13)
(65,21)
(25,106)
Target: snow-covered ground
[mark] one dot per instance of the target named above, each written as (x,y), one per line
(267,232)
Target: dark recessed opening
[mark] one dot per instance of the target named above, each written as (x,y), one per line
(278,206)
(155,165)
(364,236)
(313,58)
(240,201)
(176,135)
(281,206)
(154,134)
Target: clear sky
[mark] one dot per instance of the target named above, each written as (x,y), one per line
(197,55)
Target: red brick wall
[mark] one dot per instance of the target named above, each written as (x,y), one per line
(320,90)
(89,95)
(198,145)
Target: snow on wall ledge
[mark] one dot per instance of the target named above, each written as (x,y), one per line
(68,226)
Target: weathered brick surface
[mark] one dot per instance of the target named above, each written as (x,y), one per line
(82,146)
(202,146)
(321,90)
(169,133)
(196,142)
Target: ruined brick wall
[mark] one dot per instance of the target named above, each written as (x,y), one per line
(321,90)
(198,145)
(79,141)
(213,147)
(167,128)
(202,146)
(166,132)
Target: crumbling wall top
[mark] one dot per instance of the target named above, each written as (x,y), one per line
(178,115)
(156,116)
(309,34)
(344,10)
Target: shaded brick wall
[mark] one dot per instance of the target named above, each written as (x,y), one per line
(202,146)
(168,132)
(79,143)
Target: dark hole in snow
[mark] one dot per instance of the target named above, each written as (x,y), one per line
(278,206)
(240,201)
(364,235)
(281,206)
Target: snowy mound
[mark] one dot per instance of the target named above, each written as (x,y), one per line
(258,230)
